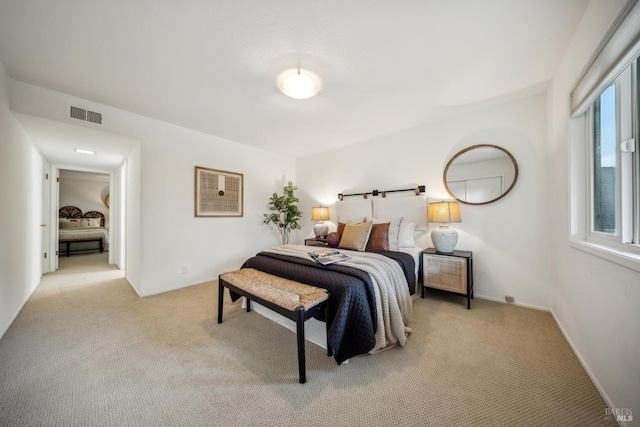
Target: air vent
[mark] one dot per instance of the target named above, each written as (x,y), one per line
(94,117)
(85,115)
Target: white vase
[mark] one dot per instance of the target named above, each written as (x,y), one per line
(320,229)
(444,239)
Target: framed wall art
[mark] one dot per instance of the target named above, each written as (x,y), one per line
(218,193)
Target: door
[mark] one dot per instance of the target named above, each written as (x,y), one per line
(44,229)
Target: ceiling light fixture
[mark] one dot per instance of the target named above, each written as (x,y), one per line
(81,151)
(299,84)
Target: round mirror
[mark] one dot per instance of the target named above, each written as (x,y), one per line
(480,174)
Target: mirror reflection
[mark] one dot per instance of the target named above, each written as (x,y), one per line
(480,174)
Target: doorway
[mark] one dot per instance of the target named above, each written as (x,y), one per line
(90,201)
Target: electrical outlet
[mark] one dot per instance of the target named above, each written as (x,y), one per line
(183,269)
(509,298)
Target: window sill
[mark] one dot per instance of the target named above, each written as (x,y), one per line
(626,259)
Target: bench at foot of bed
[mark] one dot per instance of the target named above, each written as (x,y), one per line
(294,300)
(68,243)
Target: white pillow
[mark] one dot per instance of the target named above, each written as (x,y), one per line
(406,235)
(394,230)
(91,223)
(72,223)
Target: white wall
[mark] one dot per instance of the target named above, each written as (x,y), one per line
(162,233)
(21,249)
(594,301)
(172,237)
(133,232)
(118,223)
(507,237)
(85,190)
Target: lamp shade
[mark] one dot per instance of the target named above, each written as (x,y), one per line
(320,213)
(444,212)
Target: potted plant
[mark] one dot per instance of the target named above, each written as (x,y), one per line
(284,211)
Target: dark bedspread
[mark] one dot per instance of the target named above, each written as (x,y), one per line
(352,311)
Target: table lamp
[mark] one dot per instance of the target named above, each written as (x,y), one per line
(444,238)
(320,213)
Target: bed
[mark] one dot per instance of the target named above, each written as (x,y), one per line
(80,233)
(363,317)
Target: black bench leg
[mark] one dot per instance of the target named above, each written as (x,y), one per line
(220,299)
(300,335)
(101,247)
(248,304)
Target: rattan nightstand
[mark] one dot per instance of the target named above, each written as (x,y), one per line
(451,272)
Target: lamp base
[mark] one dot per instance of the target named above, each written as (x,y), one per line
(320,230)
(444,239)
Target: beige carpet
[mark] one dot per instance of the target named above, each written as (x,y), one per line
(86,351)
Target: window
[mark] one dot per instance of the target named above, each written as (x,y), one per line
(614,190)
(605,161)
(604,150)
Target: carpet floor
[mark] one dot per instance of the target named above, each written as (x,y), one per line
(87,351)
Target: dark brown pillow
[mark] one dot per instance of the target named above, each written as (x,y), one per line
(333,239)
(341,228)
(379,237)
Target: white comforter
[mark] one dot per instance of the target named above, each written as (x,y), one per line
(393,301)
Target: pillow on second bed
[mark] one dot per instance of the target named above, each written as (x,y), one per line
(91,223)
(71,223)
(355,236)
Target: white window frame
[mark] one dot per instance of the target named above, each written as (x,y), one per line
(623,246)
(593,235)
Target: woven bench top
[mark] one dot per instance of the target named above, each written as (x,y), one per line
(286,293)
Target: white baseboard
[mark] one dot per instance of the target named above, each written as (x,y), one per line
(589,372)
(591,375)
(6,327)
(175,288)
(519,304)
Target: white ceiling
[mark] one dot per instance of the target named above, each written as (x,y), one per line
(57,142)
(212,65)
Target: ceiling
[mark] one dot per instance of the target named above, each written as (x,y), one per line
(212,65)
(57,142)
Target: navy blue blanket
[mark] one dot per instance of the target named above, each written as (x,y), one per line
(352,311)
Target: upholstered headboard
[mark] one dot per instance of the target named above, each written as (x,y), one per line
(353,210)
(69,212)
(72,212)
(412,209)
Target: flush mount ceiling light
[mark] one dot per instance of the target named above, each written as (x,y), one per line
(81,151)
(299,84)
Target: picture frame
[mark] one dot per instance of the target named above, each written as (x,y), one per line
(218,193)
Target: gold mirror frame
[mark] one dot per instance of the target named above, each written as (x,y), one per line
(466,150)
